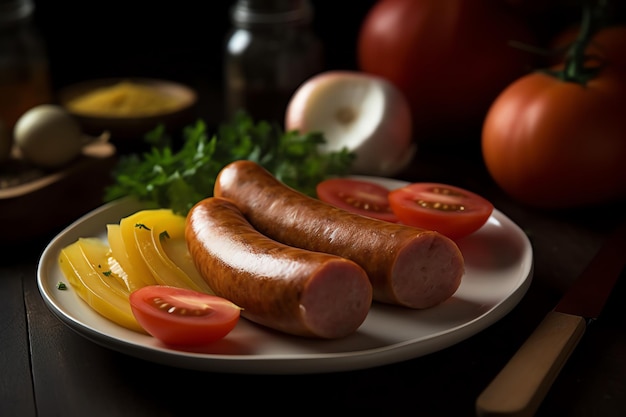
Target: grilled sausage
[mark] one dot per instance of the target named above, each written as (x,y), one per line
(407,266)
(288,289)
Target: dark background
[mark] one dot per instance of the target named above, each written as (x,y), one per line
(184,39)
(181,40)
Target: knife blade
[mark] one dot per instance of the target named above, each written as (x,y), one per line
(520,387)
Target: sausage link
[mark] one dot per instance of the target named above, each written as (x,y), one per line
(407,266)
(289,289)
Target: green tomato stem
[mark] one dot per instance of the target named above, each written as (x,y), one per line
(577,68)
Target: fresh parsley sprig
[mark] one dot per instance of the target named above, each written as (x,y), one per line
(177,179)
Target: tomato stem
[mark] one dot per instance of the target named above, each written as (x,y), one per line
(576,67)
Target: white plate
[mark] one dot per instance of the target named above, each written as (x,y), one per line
(499,265)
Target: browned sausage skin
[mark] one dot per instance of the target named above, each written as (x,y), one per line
(289,289)
(407,266)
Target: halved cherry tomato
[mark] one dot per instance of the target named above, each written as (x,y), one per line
(452,211)
(361,197)
(183,317)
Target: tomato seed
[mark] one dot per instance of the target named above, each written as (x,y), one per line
(360,204)
(436,205)
(161,304)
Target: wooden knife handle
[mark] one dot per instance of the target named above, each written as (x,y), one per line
(523,383)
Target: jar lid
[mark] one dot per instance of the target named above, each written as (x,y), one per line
(271,11)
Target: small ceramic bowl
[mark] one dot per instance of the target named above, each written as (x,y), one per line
(130,126)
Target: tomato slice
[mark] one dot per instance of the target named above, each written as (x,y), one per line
(183,317)
(452,211)
(361,197)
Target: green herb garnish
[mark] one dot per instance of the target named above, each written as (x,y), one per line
(61,286)
(177,179)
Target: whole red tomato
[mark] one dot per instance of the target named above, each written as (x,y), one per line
(451,58)
(559,144)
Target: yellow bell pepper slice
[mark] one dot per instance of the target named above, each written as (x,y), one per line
(176,249)
(133,275)
(137,268)
(160,240)
(90,285)
(98,254)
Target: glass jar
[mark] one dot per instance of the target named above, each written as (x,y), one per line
(270,51)
(24,76)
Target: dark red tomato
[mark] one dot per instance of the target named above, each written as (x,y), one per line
(449,210)
(183,317)
(361,197)
(450,58)
(559,144)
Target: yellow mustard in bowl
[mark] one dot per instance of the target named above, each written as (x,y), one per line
(124,99)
